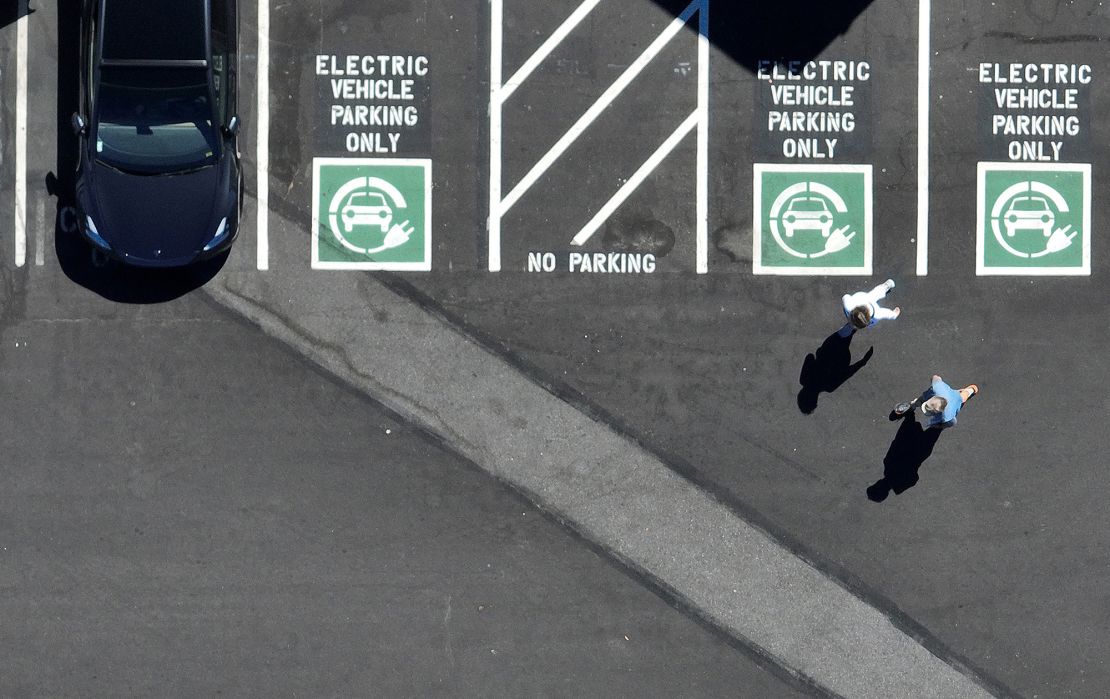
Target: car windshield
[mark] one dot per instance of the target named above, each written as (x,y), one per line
(155,120)
(807,205)
(1030,205)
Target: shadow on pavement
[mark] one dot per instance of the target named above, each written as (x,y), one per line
(911,447)
(751,31)
(826,369)
(11,10)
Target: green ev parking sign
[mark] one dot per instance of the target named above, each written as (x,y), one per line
(812,219)
(372,213)
(1033,219)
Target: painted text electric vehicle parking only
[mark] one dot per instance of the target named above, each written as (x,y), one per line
(158,178)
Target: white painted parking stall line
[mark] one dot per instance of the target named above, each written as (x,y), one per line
(1033,201)
(499,93)
(923,104)
(493,223)
(262,138)
(20,230)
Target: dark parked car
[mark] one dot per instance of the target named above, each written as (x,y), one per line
(158,179)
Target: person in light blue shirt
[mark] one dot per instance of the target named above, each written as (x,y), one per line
(940,403)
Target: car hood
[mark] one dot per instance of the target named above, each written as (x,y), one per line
(158,219)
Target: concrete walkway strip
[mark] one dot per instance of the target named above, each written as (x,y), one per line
(606,487)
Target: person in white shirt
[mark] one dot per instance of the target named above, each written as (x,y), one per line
(862,308)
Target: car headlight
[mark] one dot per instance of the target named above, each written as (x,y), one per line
(219,236)
(94,235)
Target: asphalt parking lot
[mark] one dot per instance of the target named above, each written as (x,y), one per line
(646,210)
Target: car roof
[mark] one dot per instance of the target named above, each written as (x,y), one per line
(152,30)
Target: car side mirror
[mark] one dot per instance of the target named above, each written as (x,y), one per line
(232,127)
(77,122)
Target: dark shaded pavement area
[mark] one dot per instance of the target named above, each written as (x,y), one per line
(997,550)
(984,551)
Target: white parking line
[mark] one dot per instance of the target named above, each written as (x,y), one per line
(599,482)
(40,232)
(262,138)
(21,140)
(923,105)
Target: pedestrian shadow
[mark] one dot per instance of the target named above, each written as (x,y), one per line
(826,369)
(912,445)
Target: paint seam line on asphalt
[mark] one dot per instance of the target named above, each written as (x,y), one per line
(608,488)
(504,91)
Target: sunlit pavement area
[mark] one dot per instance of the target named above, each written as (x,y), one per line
(192,507)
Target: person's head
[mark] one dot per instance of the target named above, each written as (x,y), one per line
(860,317)
(934,406)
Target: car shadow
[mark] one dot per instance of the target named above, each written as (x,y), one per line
(827,368)
(912,446)
(113,281)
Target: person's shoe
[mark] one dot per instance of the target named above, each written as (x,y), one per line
(903,408)
(889,284)
(973,388)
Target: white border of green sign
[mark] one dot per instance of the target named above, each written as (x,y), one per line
(757,221)
(1084,169)
(423,266)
